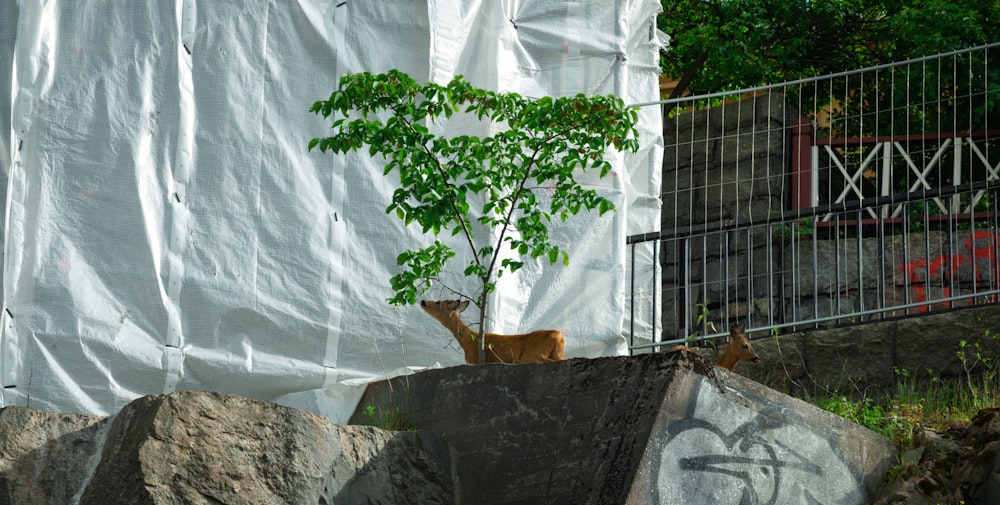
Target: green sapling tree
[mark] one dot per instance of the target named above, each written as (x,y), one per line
(513,183)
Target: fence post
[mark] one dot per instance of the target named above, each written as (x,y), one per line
(801,187)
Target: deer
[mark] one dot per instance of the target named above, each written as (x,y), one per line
(540,346)
(738,349)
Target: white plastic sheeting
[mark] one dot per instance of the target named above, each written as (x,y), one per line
(167,229)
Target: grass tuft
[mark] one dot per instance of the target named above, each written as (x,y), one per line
(930,402)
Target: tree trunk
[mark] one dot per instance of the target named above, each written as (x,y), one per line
(481,341)
(684,82)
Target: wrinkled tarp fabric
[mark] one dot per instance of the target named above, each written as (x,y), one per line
(166,228)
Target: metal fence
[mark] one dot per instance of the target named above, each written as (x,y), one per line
(848,198)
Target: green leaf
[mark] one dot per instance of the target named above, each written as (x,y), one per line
(510,175)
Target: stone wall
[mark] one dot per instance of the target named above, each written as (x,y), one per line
(871,359)
(722,166)
(726,162)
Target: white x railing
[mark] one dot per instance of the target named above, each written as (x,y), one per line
(875,161)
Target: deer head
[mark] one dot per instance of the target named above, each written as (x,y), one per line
(738,349)
(444,307)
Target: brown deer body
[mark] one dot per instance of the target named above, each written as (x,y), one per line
(536,347)
(738,349)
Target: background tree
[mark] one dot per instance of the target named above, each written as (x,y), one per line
(512,183)
(734,44)
(727,45)
(719,45)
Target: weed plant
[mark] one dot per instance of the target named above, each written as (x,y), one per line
(393,418)
(930,402)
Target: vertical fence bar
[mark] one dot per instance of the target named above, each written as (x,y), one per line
(749,277)
(725,282)
(860,302)
(927,255)
(956,175)
(701,301)
(631,329)
(814,245)
(948,273)
(769,270)
(837,269)
(682,263)
(656,304)
(906,259)
(794,295)
(880,296)
(971,245)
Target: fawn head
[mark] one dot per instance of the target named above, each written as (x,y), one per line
(444,307)
(740,346)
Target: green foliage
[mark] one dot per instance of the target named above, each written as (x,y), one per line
(799,229)
(514,183)
(981,384)
(420,264)
(735,44)
(925,401)
(703,314)
(393,419)
(890,423)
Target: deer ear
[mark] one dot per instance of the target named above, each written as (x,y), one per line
(462,306)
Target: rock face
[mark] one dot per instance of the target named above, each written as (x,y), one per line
(959,466)
(870,357)
(44,456)
(648,429)
(214,448)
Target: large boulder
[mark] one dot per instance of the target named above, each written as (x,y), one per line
(196,447)
(655,428)
(650,429)
(727,439)
(46,457)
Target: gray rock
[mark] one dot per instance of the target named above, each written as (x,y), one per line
(870,357)
(45,457)
(989,489)
(650,429)
(197,447)
(958,466)
(567,432)
(653,428)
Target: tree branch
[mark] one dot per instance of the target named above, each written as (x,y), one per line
(466,229)
(685,81)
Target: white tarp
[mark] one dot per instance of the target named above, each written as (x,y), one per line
(165,227)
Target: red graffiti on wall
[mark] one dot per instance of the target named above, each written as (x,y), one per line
(946,266)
